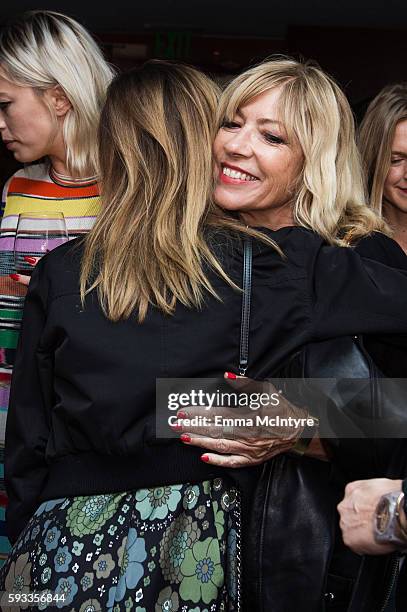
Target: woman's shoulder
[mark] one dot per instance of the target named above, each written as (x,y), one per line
(60,268)
(382,248)
(17,182)
(290,250)
(31,172)
(68,254)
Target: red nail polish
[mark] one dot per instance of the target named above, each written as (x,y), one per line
(185,438)
(182,415)
(15,277)
(230,375)
(30,260)
(205,458)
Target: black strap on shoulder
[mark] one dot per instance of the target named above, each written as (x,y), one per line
(245,321)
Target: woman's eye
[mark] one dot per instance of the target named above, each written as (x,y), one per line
(273,139)
(396,160)
(4,105)
(230,124)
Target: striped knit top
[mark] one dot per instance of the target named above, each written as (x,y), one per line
(36,188)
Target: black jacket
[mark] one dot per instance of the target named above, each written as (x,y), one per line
(297,559)
(81,418)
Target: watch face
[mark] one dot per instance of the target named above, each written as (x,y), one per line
(382,515)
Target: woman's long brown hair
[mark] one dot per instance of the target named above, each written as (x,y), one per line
(148,245)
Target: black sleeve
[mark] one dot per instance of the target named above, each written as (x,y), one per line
(380,247)
(388,352)
(356,295)
(27,427)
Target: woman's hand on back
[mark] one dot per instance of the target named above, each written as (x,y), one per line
(237,438)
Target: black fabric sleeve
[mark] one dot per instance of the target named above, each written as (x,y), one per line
(27,427)
(380,247)
(356,295)
(388,352)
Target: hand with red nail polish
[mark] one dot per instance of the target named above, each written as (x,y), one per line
(21,278)
(235,444)
(31,260)
(24,279)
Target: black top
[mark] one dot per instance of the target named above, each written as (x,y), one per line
(381,248)
(388,352)
(81,418)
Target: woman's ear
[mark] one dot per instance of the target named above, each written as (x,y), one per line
(58,100)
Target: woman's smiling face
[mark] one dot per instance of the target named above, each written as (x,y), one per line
(257,166)
(395,185)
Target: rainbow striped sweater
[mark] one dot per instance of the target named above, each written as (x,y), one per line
(36,188)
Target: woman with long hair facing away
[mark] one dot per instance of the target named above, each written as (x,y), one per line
(383,146)
(104,512)
(53,80)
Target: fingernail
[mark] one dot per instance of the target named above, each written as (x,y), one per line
(205,458)
(15,277)
(30,260)
(185,438)
(230,375)
(182,415)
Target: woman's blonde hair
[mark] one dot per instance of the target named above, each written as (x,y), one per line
(376,135)
(41,49)
(149,244)
(329,194)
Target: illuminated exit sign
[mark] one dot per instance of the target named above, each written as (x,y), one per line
(172,45)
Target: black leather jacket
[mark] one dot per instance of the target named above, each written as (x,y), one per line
(300,561)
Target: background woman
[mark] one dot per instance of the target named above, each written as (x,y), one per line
(53,80)
(383,145)
(286,159)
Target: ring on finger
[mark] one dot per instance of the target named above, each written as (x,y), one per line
(229,432)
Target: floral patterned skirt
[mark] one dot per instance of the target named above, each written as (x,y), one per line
(164,549)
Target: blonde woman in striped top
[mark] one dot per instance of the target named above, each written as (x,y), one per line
(53,80)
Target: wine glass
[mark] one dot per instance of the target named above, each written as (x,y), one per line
(37,234)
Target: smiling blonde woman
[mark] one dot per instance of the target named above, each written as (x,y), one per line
(383,146)
(286,159)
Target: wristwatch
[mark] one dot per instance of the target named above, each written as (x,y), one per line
(307,435)
(387,526)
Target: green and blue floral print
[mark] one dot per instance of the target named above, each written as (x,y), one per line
(164,549)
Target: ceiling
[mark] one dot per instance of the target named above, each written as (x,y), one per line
(263,18)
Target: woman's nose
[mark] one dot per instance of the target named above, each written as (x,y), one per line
(239,144)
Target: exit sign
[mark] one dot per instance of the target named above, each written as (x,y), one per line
(172,45)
